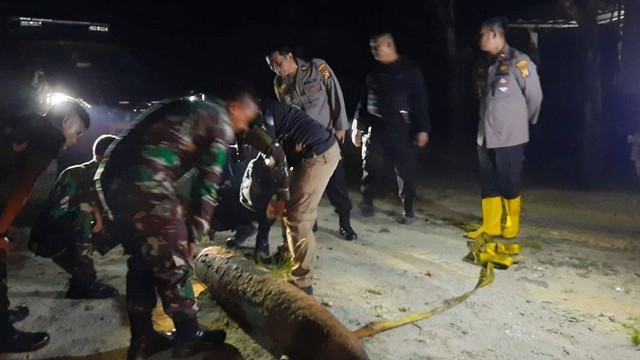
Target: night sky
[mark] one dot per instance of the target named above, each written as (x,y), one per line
(207,46)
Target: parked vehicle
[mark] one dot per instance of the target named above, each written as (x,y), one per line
(47,60)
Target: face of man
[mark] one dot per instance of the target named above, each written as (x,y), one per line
(72,128)
(282,65)
(382,50)
(242,112)
(487,39)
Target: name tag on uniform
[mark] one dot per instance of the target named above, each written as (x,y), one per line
(312,88)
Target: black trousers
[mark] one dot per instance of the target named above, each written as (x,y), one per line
(377,153)
(4,297)
(500,171)
(337,191)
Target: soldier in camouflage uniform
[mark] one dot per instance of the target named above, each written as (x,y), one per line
(70,222)
(137,183)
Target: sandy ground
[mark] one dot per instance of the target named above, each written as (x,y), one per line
(574,295)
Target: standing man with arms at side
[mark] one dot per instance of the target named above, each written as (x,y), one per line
(29,143)
(136,183)
(313,87)
(510,97)
(394,113)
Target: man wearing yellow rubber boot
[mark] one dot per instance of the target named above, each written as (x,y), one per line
(510,96)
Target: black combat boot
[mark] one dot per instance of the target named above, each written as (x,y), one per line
(83,289)
(408,215)
(145,341)
(366,207)
(191,339)
(243,232)
(15,341)
(261,250)
(346,231)
(18,313)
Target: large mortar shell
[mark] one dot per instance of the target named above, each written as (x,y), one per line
(276,314)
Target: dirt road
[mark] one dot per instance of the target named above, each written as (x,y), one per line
(574,295)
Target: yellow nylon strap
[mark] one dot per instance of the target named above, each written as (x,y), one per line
(484,251)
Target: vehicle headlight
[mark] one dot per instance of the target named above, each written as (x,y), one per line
(57,97)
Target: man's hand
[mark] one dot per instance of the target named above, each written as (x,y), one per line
(275,209)
(356,137)
(4,244)
(340,135)
(98,225)
(192,247)
(422,138)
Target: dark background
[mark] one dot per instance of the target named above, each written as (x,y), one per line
(186,46)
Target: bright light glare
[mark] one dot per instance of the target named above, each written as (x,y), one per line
(196,97)
(54,98)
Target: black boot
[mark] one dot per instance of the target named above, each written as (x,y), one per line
(15,341)
(366,208)
(145,341)
(346,231)
(243,232)
(191,339)
(262,250)
(17,314)
(146,345)
(408,215)
(82,289)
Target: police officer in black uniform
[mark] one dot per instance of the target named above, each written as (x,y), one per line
(394,114)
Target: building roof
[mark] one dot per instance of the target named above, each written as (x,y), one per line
(551,16)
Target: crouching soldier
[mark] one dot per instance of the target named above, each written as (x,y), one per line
(68,224)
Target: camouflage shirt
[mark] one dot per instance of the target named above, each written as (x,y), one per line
(68,213)
(169,140)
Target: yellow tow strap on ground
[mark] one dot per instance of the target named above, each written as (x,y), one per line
(483,251)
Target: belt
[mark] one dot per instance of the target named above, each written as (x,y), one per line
(103,200)
(309,155)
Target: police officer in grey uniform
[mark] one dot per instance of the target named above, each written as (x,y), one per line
(313,87)
(510,97)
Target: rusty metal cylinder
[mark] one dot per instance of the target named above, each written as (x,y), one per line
(276,314)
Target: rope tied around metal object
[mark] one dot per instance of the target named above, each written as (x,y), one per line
(483,251)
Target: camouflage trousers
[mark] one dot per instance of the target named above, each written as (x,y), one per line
(153,232)
(75,261)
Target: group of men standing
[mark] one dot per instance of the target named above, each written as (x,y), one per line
(136,202)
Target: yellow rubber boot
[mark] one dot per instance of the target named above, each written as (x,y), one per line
(512,226)
(491,217)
